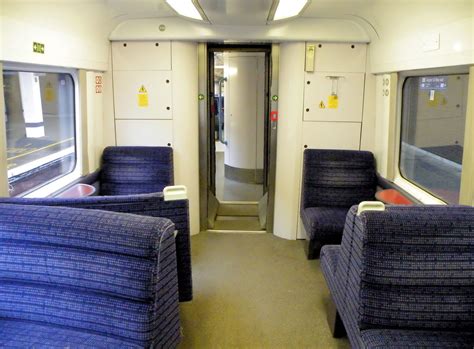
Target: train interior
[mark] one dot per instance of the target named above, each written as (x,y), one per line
(244,173)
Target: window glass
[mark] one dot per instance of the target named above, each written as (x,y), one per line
(432,133)
(40,126)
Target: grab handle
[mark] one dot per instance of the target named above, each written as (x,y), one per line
(370,206)
(175,192)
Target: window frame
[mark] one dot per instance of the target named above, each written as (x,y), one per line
(422,194)
(50,187)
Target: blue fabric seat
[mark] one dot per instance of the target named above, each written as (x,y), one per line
(86,278)
(135,170)
(326,222)
(333,181)
(405,277)
(25,334)
(152,205)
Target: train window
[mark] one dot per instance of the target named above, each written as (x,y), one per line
(40,127)
(432,133)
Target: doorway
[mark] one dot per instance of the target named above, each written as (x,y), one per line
(240,131)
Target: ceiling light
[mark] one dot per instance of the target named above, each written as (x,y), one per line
(188,8)
(282,9)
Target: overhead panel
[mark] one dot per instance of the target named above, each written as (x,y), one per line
(347,57)
(144,55)
(144,132)
(331,135)
(143,95)
(333,96)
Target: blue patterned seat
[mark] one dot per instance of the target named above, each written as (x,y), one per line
(141,204)
(404,278)
(73,278)
(333,181)
(135,170)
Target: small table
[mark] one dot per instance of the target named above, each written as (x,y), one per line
(392,196)
(77,191)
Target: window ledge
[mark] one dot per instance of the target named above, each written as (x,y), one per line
(418,193)
(54,186)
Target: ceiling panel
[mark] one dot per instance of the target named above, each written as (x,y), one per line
(139,8)
(336,8)
(237,12)
(220,12)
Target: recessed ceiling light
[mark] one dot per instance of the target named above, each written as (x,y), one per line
(188,8)
(282,9)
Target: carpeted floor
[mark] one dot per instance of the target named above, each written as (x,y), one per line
(255,291)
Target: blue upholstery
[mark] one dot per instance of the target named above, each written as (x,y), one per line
(328,222)
(135,170)
(401,339)
(77,278)
(141,204)
(405,275)
(333,181)
(22,334)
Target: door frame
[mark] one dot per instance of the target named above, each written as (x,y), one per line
(206,127)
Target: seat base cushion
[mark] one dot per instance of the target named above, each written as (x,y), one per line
(385,338)
(324,224)
(25,334)
(382,338)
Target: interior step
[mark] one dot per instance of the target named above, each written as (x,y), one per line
(249,209)
(242,223)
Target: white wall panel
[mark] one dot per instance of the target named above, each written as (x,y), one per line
(95,109)
(185,125)
(69,39)
(349,88)
(148,55)
(404,30)
(109,136)
(345,57)
(382,110)
(288,167)
(331,135)
(144,132)
(127,85)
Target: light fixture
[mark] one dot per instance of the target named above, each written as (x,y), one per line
(282,9)
(188,8)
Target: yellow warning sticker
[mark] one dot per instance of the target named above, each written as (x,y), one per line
(322,105)
(436,99)
(142,97)
(49,95)
(333,102)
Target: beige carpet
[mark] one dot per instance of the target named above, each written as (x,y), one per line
(255,291)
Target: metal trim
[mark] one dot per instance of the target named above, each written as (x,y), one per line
(203,135)
(204,49)
(274,76)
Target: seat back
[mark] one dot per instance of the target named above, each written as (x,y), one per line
(152,205)
(410,267)
(136,170)
(90,270)
(337,178)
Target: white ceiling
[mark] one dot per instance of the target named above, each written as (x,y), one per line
(336,8)
(237,12)
(220,12)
